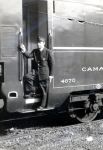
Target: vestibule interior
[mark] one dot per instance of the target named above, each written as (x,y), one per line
(34,25)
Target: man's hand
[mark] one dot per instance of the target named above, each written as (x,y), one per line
(22,48)
(50,78)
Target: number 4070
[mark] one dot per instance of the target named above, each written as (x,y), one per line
(73,80)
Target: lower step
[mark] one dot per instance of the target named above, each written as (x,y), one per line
(34,110)
(26,110)
(45,109)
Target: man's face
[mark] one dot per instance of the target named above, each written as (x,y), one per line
(41,44)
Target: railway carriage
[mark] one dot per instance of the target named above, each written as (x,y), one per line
(74,32)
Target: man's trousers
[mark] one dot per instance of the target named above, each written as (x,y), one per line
(32,84)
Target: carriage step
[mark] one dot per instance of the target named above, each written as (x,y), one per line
(34,110)
(32,100)
(45,109)
(26,111)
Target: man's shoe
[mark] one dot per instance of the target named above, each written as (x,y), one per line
(40,108)
(32,94)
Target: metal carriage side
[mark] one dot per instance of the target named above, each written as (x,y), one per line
(78,52)
(75,38)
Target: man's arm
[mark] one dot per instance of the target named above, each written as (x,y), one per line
(24,52)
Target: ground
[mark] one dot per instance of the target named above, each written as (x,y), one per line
(48,134)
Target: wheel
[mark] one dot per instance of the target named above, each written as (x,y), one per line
(84,111)
(86,116)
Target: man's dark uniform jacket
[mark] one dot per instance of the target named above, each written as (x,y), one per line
(42,62)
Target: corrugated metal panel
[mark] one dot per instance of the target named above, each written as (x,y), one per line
(77,24)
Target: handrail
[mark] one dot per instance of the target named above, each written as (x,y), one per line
(20,57)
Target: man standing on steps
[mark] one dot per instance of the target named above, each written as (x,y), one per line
(43,66)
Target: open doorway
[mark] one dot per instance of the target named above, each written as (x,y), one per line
(30,28)
(35,23)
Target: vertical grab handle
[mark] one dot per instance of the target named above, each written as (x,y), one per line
(49,43)
(20,56)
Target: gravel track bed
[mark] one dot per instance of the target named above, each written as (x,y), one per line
(84,136)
